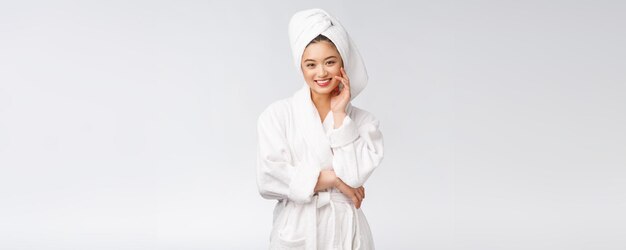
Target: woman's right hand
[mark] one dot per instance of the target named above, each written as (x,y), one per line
(355,194)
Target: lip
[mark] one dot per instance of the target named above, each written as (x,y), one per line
(323,84)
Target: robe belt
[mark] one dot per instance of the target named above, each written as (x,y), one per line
(324,198)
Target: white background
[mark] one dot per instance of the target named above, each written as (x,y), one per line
(132,124)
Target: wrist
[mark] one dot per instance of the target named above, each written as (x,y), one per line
(337,113)
(337,182)
(338,117)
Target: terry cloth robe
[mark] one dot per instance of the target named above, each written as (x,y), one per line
(294,146)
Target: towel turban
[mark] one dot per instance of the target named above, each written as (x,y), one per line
(305,25)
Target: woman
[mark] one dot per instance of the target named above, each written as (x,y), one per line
(315,149)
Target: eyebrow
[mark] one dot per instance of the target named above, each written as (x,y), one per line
(322,60)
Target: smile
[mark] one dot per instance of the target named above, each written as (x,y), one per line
(323,83)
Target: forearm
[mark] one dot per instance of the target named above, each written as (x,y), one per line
(356,151)
(338,117)
(326,179)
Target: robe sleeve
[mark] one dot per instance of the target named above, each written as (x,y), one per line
(357,149)
(277,177)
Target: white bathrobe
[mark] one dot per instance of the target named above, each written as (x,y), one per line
(294,146)
(288,167)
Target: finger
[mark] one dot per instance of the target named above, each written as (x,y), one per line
(345,81)
(363,191)
(358,194)
(346,84)
(343,72)
(355,200)
(341,79)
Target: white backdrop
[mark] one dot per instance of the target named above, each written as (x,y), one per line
(132,124)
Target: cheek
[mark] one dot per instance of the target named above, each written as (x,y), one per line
(307,73)
(335,71)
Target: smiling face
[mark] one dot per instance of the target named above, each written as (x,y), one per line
(320,64)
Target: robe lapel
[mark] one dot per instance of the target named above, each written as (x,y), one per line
(313,134)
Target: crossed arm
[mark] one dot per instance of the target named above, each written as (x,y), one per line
(357,151)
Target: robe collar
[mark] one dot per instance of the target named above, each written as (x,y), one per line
(313,132)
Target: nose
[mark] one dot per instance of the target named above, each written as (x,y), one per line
(321,72)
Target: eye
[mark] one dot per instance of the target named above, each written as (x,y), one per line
(310,65)
(330,62)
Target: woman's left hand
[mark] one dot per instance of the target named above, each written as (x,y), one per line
(356,195)
(339,99)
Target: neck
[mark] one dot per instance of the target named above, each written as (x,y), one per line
(322,103)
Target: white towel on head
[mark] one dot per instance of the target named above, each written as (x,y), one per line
(305,25)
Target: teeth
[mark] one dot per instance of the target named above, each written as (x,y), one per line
(320,81)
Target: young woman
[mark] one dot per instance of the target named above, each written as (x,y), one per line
(315,149)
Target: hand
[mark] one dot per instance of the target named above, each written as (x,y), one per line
(355,194)
(339,99)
